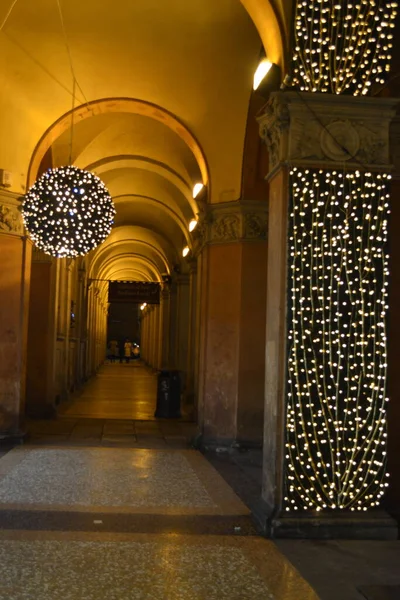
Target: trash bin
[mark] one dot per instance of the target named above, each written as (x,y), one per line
(168,395)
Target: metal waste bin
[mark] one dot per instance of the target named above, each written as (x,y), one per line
(168,395)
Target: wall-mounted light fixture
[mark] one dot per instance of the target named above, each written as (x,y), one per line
(192,225)
(264,66)
(197,189)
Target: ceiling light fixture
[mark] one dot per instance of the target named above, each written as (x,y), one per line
(185,251)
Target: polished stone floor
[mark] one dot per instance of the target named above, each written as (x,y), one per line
(119,391)
(47,559)
(104,504)
(107,503)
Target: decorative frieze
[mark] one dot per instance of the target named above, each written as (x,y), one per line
(231,222)
(10,216)
(310,129)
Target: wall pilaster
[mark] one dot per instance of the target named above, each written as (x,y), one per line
(231,243)
(15,257)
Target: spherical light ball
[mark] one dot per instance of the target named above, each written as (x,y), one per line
(68,212)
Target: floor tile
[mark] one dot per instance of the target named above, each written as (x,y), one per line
(48,566)
(114,478)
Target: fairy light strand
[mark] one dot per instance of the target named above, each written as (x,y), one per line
(338,278)
(342,46)
(68,212)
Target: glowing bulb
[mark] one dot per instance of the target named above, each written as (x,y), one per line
(185,251)
(261,71)
(192,224)
(197,189)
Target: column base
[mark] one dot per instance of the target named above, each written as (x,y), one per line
(371,525)
(229,444)
(13,439)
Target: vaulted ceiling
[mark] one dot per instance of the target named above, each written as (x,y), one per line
(188,66)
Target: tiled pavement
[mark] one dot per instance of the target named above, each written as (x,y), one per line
(111,433)
(61,511)
(96,507)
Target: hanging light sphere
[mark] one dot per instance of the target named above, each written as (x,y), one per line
(68,212)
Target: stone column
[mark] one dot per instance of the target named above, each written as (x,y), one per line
(325,352)
(173,319)
(153,336)
(190,362)
(165,308)
(231,239)
(182,326)
(42,332)
(15,253)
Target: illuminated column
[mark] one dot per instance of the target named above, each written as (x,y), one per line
(150,310)
(325,408)
(15,253)
(182,326)
(160,336)
(42,333)
(156,358)
(165,308)
(154,337)
(173,319)
(190,362)
(89,328)
(143,348)
(147,331)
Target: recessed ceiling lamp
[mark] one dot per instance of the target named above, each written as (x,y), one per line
(262,70)
(185,251)
(192,224)
(197,189)
(68,212)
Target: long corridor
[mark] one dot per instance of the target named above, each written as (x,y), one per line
(145,518)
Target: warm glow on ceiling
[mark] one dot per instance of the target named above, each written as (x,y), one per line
(261,71)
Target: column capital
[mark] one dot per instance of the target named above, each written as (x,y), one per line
(325,130)
(10,213)
(227,222)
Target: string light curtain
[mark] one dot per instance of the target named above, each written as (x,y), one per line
(336,423)
(342,45)
(338,271)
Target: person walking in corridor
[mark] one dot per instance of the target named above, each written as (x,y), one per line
(127,350)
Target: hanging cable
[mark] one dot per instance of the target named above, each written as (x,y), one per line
(71,64)
(71,139)
(8,14)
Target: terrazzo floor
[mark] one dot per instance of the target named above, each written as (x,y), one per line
(61,512)
(102,504)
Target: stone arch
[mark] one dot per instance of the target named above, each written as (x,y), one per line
(115,105)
